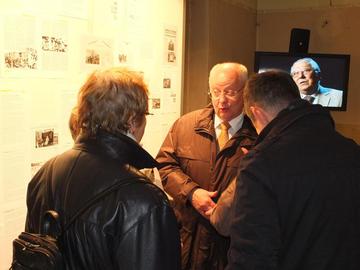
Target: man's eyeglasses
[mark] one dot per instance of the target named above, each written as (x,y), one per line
(299,73)
(215,93)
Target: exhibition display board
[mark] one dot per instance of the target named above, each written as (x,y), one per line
(47,49)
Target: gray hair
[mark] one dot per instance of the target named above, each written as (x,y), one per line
(240,69)
(315,67)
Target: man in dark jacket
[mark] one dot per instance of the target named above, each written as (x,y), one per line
(196,167)
(297,199)
(133,227)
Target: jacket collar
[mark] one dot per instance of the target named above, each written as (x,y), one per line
(290,115)
(118,147)
(205,123)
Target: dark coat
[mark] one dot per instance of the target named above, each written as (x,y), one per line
(133,227)
(297,200)
(189,159)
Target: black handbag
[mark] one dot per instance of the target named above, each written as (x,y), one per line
(39,251)
(36,251)
(33,251)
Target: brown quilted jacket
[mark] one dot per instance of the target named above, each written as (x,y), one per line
(189,159)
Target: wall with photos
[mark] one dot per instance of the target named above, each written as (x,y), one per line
(47,49)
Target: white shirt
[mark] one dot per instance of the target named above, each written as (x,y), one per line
(130,135)
(235,123)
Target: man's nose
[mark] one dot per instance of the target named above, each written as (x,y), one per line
(222,97)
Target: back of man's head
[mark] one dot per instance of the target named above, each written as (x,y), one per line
(272,91)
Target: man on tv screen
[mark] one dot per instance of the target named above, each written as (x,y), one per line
(307,75)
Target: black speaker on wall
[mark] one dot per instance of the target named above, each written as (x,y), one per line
(299,40)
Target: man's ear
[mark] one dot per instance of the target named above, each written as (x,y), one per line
(131,125)
(261,117)
(258,113)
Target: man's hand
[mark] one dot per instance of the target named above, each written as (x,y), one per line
(245,151)
(202,201)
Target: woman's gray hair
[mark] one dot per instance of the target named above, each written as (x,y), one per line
(111,99)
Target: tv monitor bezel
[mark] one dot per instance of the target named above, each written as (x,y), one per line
(318,57)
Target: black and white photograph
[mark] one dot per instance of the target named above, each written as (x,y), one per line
(27,59)
(45,138)
(171,57)
(166,83)
(92,57)
(53,44)
(155,103)
(170,34)
(171,45)
(122,57)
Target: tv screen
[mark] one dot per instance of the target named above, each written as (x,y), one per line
(321,78)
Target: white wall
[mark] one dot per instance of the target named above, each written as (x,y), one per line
(37,91)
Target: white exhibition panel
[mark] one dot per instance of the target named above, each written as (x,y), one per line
(47,50)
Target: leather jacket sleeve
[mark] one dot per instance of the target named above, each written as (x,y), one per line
(157,252)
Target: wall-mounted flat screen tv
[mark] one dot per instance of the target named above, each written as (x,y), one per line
(321,78)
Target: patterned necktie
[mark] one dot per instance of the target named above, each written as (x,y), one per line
(224,135)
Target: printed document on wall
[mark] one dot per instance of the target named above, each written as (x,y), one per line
(96,52)
(54,45)
(21,56)
(170,45)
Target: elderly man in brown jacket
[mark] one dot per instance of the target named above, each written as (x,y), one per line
(199,158)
